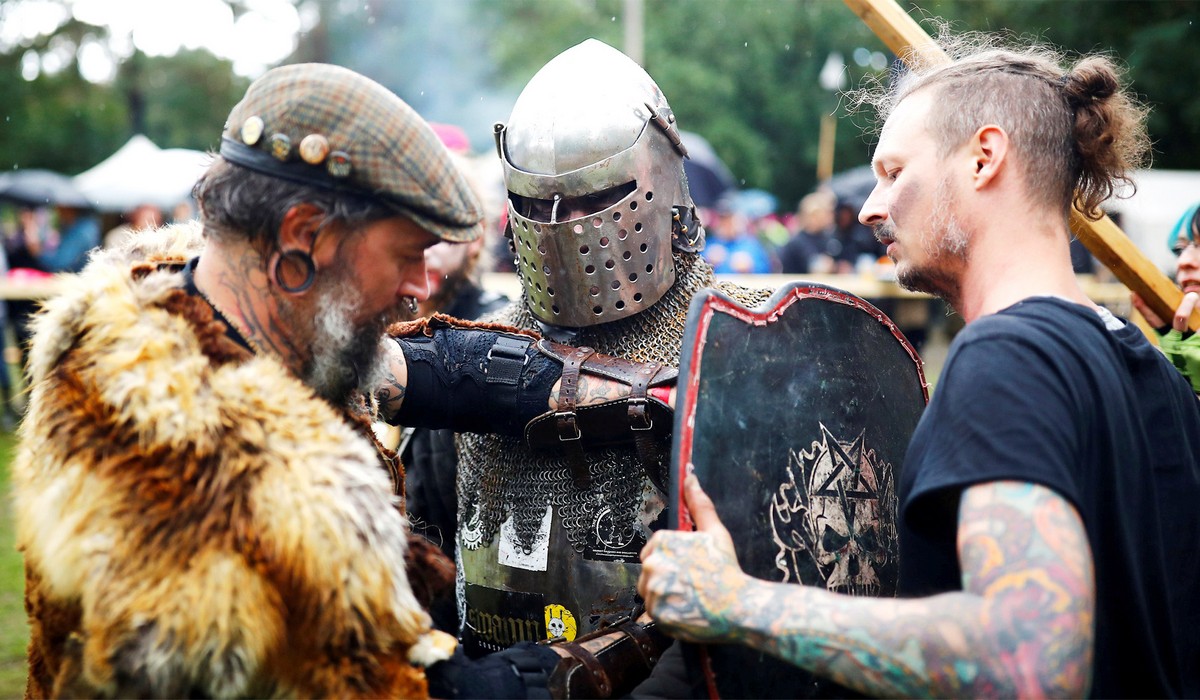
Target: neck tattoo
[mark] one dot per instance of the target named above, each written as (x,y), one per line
(237,328)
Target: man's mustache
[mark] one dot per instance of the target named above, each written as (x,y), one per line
(885,230)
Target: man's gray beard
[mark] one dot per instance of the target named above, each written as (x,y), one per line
(344,357)
(947,241)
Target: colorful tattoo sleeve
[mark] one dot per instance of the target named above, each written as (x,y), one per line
(1021,626)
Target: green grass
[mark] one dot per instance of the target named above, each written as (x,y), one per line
(14,632)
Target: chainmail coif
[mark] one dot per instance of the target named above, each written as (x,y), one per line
(499,476)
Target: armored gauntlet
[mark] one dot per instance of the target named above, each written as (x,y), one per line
(609,662)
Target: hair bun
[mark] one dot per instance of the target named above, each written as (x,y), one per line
(1090,80)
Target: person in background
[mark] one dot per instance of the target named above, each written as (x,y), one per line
(452,272)
(1176,340)
(183,211)
(140,218)
(856,245)
(8,410)
(811,249)
(78,235)
(48,245)
(733,249)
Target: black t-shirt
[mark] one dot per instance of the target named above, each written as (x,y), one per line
(1042,392)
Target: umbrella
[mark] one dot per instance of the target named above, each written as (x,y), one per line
(708,177)
(853,186)
(142,173)
(35,187)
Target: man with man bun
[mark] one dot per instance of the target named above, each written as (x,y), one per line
(1047,504)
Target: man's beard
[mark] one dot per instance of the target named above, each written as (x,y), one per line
(947,248)
(346,357)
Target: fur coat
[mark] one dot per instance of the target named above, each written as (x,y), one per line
(194,521)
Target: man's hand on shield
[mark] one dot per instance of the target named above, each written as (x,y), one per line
(691,581)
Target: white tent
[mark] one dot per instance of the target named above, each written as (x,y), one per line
(142,173)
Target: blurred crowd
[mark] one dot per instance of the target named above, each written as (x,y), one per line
(823,236)
(41,241)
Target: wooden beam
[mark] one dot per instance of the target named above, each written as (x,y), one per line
(1106,241)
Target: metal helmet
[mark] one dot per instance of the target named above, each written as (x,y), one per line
(593,164)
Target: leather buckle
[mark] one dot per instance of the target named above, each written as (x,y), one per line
(639,414)
(567,419)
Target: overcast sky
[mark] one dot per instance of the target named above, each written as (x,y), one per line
(258,39)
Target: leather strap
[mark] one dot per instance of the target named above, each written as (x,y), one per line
(640,422)
(566,418)
(597,675)
(645,643)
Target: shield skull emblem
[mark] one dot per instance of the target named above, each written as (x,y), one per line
(810,399)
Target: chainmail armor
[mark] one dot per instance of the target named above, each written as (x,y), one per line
(499,476)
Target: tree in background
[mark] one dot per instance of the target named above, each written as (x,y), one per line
(58,121)
(179,101)
(61,121)
(743,74)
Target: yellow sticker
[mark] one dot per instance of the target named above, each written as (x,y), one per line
(560,623)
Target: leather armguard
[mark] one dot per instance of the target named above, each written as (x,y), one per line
(612,422)
(609,662)
(476,377)
(636,416)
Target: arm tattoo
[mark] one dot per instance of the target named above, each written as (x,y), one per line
(390,396)
(595,390)
(393,388)
(1022,625)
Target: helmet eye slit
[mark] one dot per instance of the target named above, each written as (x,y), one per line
(559,208)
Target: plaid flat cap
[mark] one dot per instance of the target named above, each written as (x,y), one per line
(327,126)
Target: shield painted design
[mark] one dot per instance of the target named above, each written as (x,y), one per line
(795,416)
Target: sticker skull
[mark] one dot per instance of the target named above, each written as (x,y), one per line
(560,623)
(839,520)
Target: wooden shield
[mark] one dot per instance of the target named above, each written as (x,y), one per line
(795,416)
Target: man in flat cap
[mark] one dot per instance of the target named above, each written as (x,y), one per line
(202,505)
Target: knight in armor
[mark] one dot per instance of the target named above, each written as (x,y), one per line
(606,242)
